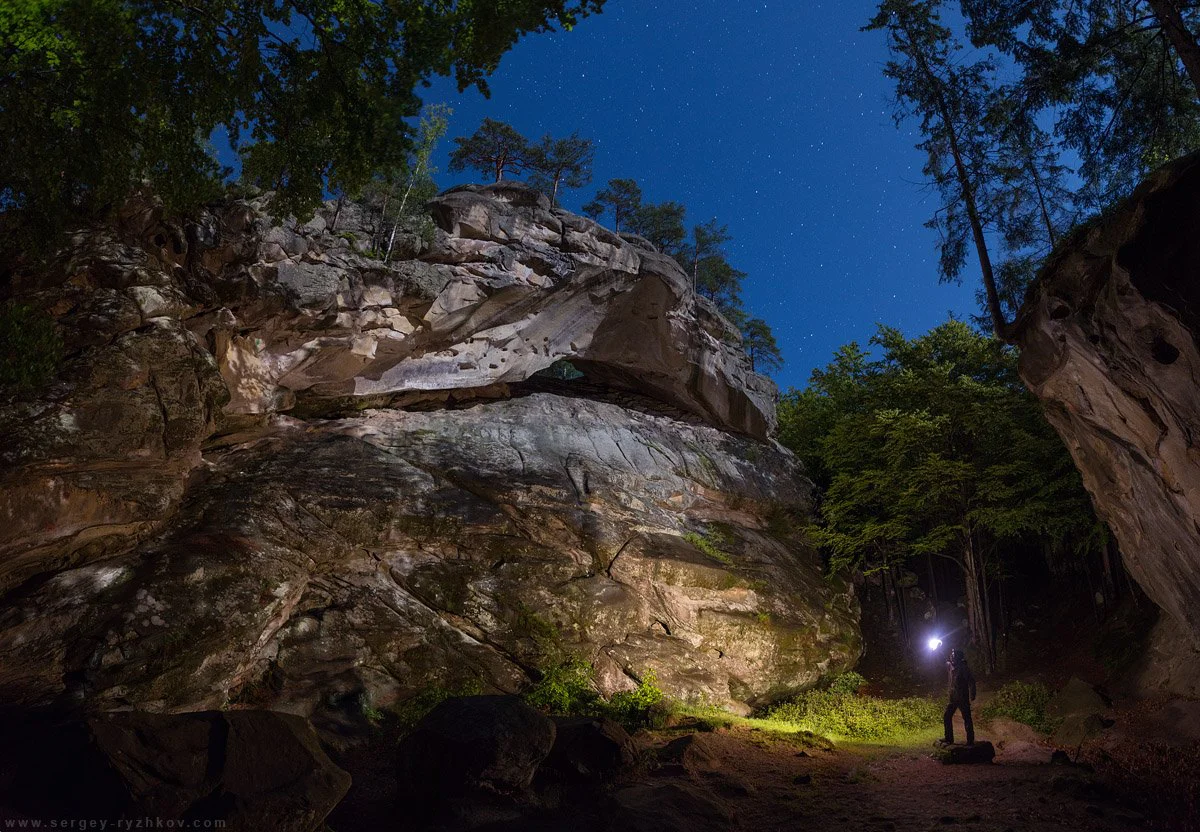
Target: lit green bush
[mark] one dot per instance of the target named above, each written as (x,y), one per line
(1024,702)
(566,690)
(30,348)
(839,712)
(646,706)
(848,682)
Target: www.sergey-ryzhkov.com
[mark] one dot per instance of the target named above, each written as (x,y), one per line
(99,824)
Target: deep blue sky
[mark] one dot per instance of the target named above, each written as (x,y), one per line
(773,117)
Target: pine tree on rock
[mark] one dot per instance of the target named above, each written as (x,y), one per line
(561,163)
(495,149)
(620,197)
(759,343)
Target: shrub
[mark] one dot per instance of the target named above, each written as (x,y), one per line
(710,543)
(644,707)
(1024,702)
(566,689)
(848,682)
(30,348)
(839,712)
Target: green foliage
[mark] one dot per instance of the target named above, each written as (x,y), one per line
(661,224)
(30,348)
(646,706)
(712,543)
(1024,702)
(1111,74)
(559,163)
(838,712)
(847,683)
(932,442)
(101,95)
(396,196)
(495,149)
(621,197)
(566,689)
(759,343)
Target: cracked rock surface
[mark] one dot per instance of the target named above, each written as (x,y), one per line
(277,472)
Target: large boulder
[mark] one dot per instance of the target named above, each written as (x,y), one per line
(1108,341)
(313,480)
(247,769)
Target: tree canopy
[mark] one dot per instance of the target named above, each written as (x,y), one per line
(495,149)
(562,163)
(100,96)
(935,450)
(1112,86)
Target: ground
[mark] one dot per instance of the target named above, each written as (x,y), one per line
(770,781)
(768,786)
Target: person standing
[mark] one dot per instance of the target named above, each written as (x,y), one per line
(962,694)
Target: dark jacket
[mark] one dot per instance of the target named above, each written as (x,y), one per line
(962,681)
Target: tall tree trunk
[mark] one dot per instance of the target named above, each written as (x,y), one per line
(999,326)
(1182,41)
(1051,237)
(554,192)
(933,593)
(1110,583)
(975,603)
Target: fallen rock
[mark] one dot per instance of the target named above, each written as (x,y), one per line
(981,752)
(492,743)
(671,807)
(471,760)
(1077,697)
(1077,728)
(589,750)
(248,769)
(695,752)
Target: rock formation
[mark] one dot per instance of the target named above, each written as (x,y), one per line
(1108,343)
(277,471)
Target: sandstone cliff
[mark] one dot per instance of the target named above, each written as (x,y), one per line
(1108,342)
(277,471)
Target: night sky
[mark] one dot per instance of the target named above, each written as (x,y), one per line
(773,117)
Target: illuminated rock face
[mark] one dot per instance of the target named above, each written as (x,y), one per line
(1108,343)
(278,472)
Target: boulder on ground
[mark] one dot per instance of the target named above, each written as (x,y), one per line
(695,752)
(494,743)
(1077,697)
(470,762)
(671,807)
(248,769)
(979,752)
(589,750)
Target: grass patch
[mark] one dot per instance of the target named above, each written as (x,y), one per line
(1024,702)
(711,544)
(838,712)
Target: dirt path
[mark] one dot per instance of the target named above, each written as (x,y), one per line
(767,784)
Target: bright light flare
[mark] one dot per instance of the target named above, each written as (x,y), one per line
(934,643)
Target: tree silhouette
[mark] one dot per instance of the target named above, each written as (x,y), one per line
(494,149)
